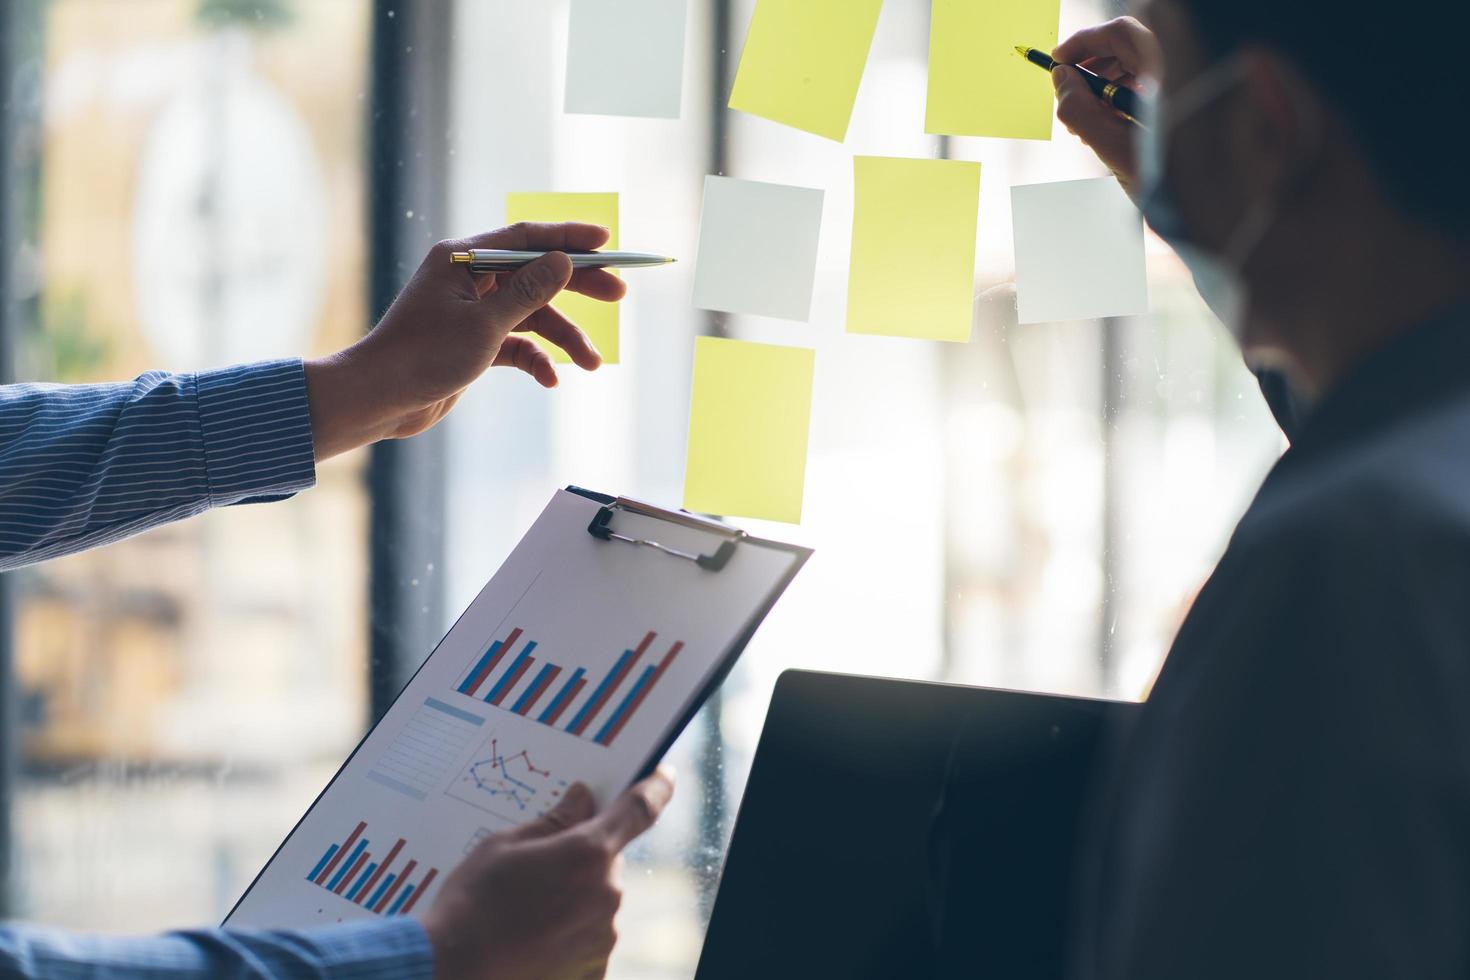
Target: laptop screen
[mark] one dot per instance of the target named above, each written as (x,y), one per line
(903,829)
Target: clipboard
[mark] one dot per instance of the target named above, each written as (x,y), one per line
(582,659)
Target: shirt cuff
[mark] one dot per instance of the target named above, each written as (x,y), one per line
(256,426)
(396,948)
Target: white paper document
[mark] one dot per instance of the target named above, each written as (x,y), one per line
(625,57)
(1079,251)
(757,248)
(580,661)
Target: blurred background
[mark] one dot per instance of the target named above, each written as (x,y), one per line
(193,183)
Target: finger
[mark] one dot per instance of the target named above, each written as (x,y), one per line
(1124,38)
(1095,122)
(575,806)
(598,284)
(486,283)
(1098,124)
(1106,67)
(526,355)
(635,811)
(562,236)
(526,290)
(550,324)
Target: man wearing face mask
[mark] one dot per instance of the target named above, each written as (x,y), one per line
(1295,800)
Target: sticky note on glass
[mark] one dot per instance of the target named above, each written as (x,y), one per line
(757,248)
(1079,251)
(626,57)
(748,422)
(803,61)
(978,85)
(598,319)
(913,248)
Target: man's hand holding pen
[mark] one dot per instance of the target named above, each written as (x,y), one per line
(1122,51)
(447,327)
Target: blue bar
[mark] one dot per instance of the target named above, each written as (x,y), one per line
(453,712)
(642,680)
(526,694)
(323,862)
(398,902)
(464,685)
(600,688)
(561,696)
(347,864)
(510,672)
(362,879)
(383,886)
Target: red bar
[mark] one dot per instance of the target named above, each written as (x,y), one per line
(633,708)
(515,678)
(388,896)
(351,872)
(537,691)
(367,890)
(484,671)
(341,851)
(571,696)
(607,692)
(418,892)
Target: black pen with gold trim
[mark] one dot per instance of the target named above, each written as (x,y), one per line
(1124,99)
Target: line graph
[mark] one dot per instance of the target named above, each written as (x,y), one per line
(507,784)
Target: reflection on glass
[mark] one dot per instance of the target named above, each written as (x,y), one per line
(1032,509)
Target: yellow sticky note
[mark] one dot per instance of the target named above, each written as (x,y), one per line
(598,319)
(978,85)
(803,60)
(748,426)
(913,248)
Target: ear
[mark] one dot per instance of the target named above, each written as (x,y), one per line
(1280,123)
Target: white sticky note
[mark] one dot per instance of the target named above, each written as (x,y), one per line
(757,248)
(626,57)
(1079,251)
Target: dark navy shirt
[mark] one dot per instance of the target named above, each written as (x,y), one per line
(1295,801)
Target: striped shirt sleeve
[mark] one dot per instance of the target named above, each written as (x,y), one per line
(387,949)
(83,465)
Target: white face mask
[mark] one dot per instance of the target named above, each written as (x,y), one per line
(1216,275)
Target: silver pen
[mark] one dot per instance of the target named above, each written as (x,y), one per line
(507,260)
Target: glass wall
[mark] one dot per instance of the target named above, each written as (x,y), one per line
(1033,509)
(185,694)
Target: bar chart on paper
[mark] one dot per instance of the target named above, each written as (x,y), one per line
(577,664)
(512,674)
(386,885)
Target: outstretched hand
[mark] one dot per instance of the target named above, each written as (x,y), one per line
(447,327)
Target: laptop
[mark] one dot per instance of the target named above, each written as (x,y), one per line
(900,829)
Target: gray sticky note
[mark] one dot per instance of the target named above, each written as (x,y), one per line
(626,57)
(757,248)
(1079,251)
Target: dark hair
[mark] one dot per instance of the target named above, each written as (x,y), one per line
(1392,98)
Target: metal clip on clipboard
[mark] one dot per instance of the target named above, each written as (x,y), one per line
(601,529)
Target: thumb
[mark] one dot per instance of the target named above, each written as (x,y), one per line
(636,810)
(575,806)
(527,289)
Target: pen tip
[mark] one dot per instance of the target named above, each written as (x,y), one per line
(1021,50)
